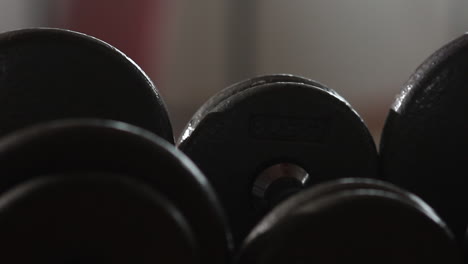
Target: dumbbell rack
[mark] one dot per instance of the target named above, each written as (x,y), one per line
(273,169)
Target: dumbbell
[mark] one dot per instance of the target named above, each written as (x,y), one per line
(48,74)
(98,191)
(92,218)
(266,138)
(425,135)
(351,221)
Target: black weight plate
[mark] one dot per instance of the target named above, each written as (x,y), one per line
(425,135)
(108,146)
(48,74)
(230,91)
(352,226)
(275,123)
(374,184)
(333,187)
(92,218)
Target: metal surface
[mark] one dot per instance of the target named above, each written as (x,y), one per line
(424,141)
(278,182)
(92,218)
(48,74)
(239,87)
(71,146)
(351,221)
(270,120)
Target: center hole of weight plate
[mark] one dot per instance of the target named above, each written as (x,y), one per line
(278,182)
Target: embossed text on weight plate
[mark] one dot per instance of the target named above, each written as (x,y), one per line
(289,128)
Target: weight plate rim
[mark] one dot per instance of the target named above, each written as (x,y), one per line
(69,37)
(214,209)
(336,188)
(236,88)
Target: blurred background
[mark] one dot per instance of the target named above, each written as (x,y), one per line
(363,49)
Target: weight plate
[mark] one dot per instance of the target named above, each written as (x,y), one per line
(71,146)
(48,74)
(277,123)
(335,186)
(92,218)
(424,138)
(243,85)
(352,226)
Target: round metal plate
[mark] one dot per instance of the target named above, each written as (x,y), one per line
(357,225)
(333,187)
(48,74)
(241,86)
(272,123)
(108,146)
(92,218)
(425,135)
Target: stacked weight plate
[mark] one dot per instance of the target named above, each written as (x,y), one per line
(273,147)
(276,122)
(426,134)
(90,173)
